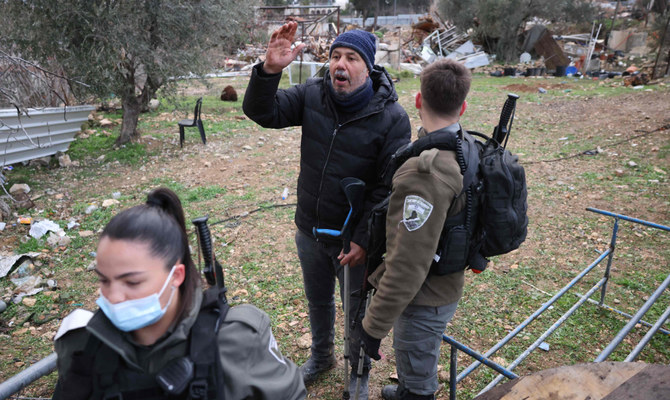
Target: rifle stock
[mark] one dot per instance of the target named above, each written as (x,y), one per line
(213,271)
(501,132)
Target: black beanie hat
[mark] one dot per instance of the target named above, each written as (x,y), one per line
(364,43)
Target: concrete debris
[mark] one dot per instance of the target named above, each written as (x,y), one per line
(7,263)
(19,188)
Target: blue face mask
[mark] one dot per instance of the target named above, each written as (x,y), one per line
(131,315)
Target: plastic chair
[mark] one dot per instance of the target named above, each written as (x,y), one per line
(196,121)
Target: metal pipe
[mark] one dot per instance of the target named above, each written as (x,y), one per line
(609,261)
(636,351)
(453,365)
(493,365)
(27,376)
(631,219)
(546,334)
(610,308)
(631,324)
(539,311)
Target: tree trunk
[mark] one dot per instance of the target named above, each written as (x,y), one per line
(133,106)
(131,114)
(374,24)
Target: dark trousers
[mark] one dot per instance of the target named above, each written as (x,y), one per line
(320,267)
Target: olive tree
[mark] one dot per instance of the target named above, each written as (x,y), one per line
(498,23)
(126,48)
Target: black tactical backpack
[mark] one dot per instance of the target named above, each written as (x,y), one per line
(494,219)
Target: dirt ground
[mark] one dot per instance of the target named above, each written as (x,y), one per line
(263,162)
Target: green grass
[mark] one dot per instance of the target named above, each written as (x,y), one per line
(99,145)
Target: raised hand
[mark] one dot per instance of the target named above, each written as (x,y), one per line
(279,54)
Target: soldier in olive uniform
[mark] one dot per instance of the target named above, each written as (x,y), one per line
(141,340)
(416,304)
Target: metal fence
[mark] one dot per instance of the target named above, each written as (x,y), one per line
(600,285)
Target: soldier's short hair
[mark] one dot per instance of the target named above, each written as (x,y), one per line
(444,86)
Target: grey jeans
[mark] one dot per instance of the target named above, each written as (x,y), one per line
(320,267)
(417,336)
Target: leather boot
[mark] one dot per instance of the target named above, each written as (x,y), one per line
(312,368)
(353,380)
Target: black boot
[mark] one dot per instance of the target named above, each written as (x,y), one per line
(391,392)
(312,368)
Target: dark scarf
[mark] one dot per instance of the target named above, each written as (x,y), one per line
(354,101)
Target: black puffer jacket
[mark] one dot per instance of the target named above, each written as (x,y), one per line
(331,149)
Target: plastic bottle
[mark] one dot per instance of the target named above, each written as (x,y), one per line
(284,194)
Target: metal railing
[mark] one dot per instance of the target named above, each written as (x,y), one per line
(601,284)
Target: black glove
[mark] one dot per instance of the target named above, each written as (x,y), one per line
(370,344)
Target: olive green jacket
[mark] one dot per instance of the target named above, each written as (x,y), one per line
(251,362)
(423,190)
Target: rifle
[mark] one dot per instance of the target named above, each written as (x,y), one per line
(354,190)
(502,131)
(213,271)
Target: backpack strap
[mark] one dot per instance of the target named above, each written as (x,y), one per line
(203,345)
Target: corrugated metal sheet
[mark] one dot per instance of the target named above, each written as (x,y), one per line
(42,132)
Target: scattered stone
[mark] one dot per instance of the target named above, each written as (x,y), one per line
(207,164)
(29,301)
(153,104)
(542,90)
(86,233)
(110,202)
(19,332)
(632,164)
(18,188)
(106,122)
(64,161)
(618,172)
(247,147)
(92,266)
(40,162)
(660,171)
(51,283)
(55,240)
(23,200)
(116,195)
(617,301)
(91,208)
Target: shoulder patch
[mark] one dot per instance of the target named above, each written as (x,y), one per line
(75,320)
(416,212)
(273,348)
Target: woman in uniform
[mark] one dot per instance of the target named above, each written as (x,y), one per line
(156,334)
